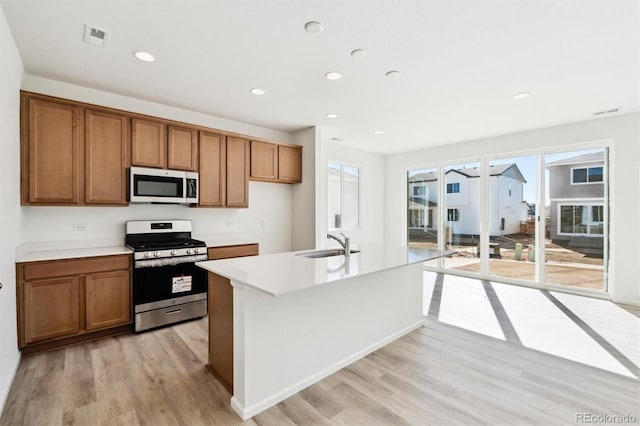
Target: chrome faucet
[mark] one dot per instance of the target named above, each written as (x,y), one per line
(346,244)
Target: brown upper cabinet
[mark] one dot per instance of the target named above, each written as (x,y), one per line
(237,187)
(213,170)
(51,153)
(182,149)
(271,162)
(79,154)
(73,156)
(289,163)
(264,160)
(106,152)
(148,143)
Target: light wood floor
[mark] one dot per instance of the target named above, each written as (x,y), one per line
(439,374)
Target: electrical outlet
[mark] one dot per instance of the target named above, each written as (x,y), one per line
(80,227)
(229,224)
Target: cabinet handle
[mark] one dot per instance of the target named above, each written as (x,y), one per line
(0,286)
(175,311)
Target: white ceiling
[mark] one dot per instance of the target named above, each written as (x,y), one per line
(461,61)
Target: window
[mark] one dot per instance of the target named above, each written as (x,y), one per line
(453,188)
(419,190)
(581,220)
(343,196)
(586,175)
(453,215)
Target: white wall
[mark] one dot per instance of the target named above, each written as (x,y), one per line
(269,203)
(304,194)
(372,193)
(11,73)
(623,130)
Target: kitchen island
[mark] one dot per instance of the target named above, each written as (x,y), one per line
(281,322)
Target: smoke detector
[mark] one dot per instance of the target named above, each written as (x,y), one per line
(95,36)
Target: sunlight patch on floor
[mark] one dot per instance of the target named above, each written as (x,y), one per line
(542,326)
(619,327)
(465,304)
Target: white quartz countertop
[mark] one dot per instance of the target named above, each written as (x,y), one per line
(282,273)
(58,250)
(69,253)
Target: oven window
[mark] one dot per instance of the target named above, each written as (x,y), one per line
(158,186)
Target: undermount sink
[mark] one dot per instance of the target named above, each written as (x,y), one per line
(326,253)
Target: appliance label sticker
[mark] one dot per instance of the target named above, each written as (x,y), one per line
(181,284)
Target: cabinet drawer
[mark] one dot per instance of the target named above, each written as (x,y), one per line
(60,268)
(233,251)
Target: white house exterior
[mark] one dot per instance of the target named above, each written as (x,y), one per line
(462,200)
(576,195)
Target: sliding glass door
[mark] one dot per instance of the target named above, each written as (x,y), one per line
(541,218)
(513,190)
(577,219)
(461,216)
(422,209)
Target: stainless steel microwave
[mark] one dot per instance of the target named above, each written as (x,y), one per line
(162,186)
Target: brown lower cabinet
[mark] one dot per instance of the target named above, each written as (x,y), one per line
(67,301)
(221,315)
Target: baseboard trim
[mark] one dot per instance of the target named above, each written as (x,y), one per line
(248,412)
(3,400)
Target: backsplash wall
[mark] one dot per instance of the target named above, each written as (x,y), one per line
(268,202)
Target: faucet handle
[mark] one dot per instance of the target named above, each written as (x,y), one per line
(345,237)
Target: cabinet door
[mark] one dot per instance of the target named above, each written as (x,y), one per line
(108,299)
(51,309)
(106,142)
(53,154)
(213,170)
(183,149)
(264,160)
(237,172)
(148,144)
(289,164)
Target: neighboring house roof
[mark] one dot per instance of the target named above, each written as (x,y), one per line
(592,157)
(424,177)
(509,170)
(421,202)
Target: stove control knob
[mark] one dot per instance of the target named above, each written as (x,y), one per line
(195,250)
(156,254)
(188,251)
(147,255)
(173,252)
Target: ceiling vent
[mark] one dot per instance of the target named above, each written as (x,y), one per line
(606,111)
(95,36)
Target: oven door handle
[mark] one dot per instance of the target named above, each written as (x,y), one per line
(175,311)
(169,261)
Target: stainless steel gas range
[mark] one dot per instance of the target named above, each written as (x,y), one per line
(167,285)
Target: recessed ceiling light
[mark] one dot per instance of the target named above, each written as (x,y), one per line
(331,115)
(313,27)
(392,74)
(144,56)
(256,91)
(378,132)
(358,53)
(333,75)
(522,95)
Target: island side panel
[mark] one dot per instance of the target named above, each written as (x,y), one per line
(221,330)
(285,343)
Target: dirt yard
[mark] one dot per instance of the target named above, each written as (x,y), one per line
(563,266)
